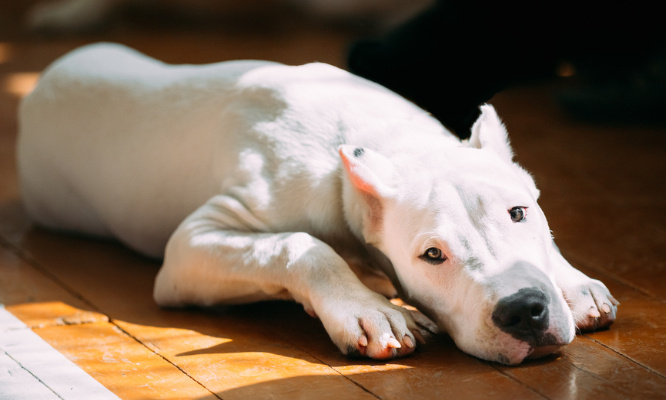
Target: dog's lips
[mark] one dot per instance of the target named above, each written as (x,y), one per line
(542,351)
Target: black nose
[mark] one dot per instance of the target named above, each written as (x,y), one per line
(523,315)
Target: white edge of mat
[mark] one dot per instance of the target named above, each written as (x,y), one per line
(31,369)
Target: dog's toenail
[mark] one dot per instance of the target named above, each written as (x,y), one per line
(393,343)
(605,308)
(408,342)
(594,313)
(363,341)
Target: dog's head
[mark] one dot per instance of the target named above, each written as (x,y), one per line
(468,243)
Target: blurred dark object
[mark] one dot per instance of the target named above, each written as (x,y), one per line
(631,94)
(459,53)
(61,17)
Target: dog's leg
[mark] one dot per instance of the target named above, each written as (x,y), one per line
(213,257)
(592,305)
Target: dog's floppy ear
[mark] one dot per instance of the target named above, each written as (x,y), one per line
(488,132)
(368,171)
(371,175)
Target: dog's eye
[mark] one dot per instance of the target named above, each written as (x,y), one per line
(518,214)
(434,256)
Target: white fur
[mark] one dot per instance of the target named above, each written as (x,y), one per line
(265,181)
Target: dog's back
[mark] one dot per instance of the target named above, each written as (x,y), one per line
(114,143)
(106,135)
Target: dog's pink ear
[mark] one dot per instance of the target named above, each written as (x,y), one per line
(368,171)
(371,175)
(488,132)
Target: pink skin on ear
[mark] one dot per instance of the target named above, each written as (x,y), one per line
(355,175)
(365,181)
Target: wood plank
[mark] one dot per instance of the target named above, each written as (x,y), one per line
(36,299)
(438,371)
(639,334)
(439,368)
(120,363)
(586,370)
(245,363)
(255,362)
(55,373)
(82,336)
(91,269)
(627,242)
(22,285)
(53,313)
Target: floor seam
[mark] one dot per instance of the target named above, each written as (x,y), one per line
(530,388)
(128,334)
(332,368)
(31,374)
(27,257)
(647,368)
(611,275)
(344,376)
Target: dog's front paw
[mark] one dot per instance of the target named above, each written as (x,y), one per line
(370,326)
(592,305)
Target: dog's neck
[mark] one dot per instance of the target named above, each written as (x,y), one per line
(355,211)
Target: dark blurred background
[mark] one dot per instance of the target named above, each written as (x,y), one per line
(448,56)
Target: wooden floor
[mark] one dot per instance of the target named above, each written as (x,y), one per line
(603,189)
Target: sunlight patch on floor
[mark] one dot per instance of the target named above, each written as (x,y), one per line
(31,368)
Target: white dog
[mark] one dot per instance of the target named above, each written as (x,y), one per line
(266,181)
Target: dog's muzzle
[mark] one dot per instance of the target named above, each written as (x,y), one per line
(524,315)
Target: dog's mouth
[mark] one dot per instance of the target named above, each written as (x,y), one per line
(534,353)
(533,348)
(541,352)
